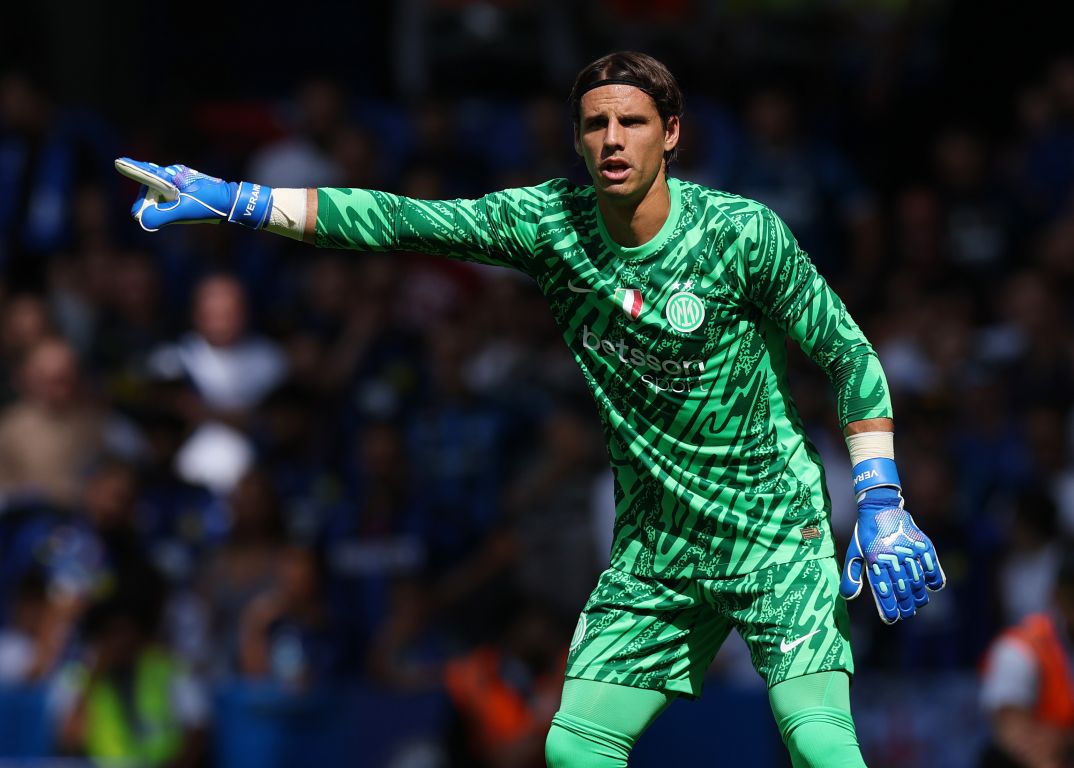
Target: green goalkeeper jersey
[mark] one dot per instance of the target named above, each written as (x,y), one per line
(682,341)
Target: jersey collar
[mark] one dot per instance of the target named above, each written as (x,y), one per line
(658,240)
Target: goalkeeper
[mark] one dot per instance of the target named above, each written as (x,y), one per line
(675,301)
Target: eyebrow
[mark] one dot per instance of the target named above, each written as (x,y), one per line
(601,116)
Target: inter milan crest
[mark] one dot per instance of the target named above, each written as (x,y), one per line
(684,311)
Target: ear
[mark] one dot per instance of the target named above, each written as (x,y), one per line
(671,133)
(577,141)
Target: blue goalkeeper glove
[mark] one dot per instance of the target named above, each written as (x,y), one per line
(175,194)
(888,549)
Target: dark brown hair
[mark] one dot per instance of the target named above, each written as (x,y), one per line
(651,76)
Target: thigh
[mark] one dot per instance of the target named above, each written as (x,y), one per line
(623,709)
(792,619)
(646,633)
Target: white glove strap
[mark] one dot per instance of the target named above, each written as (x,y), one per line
(870,445)
(288,215)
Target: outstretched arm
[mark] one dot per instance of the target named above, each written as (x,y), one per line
(499,228)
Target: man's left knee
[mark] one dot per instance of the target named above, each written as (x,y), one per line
(821,737)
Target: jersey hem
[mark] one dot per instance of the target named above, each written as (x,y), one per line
(750,565)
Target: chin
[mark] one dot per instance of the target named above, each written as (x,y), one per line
(615,190)
(623,190)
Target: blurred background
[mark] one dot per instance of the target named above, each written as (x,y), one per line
(267,505)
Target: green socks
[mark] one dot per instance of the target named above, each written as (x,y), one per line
(813,715)
(598,723)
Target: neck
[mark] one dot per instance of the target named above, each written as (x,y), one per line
(635,222)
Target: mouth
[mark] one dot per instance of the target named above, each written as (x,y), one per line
(614,170)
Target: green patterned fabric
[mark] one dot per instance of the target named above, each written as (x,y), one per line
(682,342)
(662,634)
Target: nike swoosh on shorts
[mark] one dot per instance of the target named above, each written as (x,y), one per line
(788,647)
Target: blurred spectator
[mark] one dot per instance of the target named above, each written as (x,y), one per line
(931,347)
(990,446)
(373,539)
(977,221)
(550,506)
(293,442)
(1028,343)
(809,184)
(305,158)
(1027,575)
(359,158)
(245,565)
(288,632)
(229,370)
(1028,689)
(346,309)
(356,346)
(182,522)
(455,437)
(130,326)
(24,321)
(461,45)
(49,158)
(1050,442)
(440,164)
(110,505)
(129,700)
(54,431)
(79,286)
(1044,153)
(504,693)
(33,642)
(550,146)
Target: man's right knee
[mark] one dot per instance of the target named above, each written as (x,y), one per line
(574,742)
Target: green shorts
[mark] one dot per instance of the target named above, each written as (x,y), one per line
(663,634)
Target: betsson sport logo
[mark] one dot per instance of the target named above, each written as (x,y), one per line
(639,358)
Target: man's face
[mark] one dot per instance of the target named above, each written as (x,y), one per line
(623,140)
(50,376)
(220,311)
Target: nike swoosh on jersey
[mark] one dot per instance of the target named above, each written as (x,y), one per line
(575,289)
(788,647)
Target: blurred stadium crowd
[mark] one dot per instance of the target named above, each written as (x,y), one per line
(228,456)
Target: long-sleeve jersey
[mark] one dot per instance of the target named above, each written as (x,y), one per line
(682,342)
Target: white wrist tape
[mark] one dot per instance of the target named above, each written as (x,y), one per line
(870,445)
(288,216)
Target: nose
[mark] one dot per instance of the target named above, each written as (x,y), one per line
(613,135)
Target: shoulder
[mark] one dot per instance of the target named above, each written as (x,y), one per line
(718,199)
(547,191)
(537,202)
(711,203)
(566,195)
(16,415)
